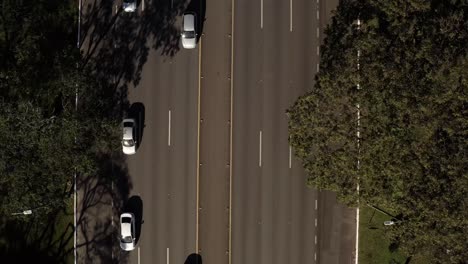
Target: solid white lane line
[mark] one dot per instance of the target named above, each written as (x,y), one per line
(138,255)
(261,13)
(74,215)
(357,236)
(169,130)
(290,163)
(290,15)
(167,255)
(260,150)
(79,25)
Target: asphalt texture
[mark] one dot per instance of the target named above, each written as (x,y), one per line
(215,98)
(276,218)
(214,173)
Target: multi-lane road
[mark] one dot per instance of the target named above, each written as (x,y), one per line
(214,173)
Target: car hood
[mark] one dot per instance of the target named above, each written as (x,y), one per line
(127,246)
(129,150)
(129,7)
(189,43)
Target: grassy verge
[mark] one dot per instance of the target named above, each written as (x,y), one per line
(373,245)
(39,237)
(64,230)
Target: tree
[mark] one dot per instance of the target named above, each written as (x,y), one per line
(413,126)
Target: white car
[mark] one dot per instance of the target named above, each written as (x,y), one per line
(129,132)
(129,6)
(127,231)
(189,32)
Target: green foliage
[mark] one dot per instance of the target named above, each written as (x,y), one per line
(40,72)
(374,247)
(37,155)
(413,127)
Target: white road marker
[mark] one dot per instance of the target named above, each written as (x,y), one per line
(138,255)
(290,14)
(315,222)
(290,162)
(167,255)
(318,67)
(318,32)
(143,5)
(261,13)
(260,150)
(315,239)
(318,15)
(169,130)
(315,256)
(316,204)
(318,50)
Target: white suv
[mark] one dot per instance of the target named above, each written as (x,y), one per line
(189,32)
(129,136)
(127,231)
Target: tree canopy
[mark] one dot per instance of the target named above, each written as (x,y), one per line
(413,104)
(40,72)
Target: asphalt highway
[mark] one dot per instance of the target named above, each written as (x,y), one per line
(276,218)
(164,169)
(214,173)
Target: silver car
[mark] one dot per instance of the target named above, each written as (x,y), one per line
(129,136)
(129,5)
(127,231)
(189,32)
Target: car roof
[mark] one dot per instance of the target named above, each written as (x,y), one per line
(189,22)
(126,228)
(128,133)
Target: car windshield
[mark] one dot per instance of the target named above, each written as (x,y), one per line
(128,124)
(126,239)
(128,142)
(128,1)
(188,34)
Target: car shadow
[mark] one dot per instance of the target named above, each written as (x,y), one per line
(134,205)
(137,112)
(193,258)
(199,8)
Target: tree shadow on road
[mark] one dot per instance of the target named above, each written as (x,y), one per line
(116,44)
(101,197)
